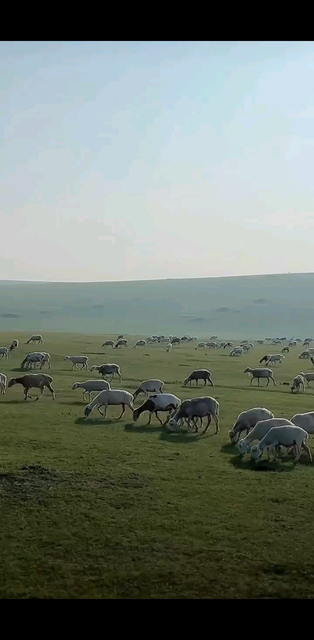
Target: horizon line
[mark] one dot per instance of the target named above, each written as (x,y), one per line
(253,275)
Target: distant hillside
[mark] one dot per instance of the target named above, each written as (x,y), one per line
(253,306)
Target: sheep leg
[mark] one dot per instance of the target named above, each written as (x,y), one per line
(273,379)
(157,416)
(150,417)
(123,411)
(195,423)
(208,423)
(307,449)
(298,453)
(216,420)
(25,394)
(51,391)
(41,393)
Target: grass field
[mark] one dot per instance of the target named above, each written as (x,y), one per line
(103,509)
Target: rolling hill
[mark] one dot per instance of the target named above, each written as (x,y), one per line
(238,306)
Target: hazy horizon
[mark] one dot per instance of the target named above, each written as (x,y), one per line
(131,161)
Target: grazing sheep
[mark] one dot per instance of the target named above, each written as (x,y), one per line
(107,370)
(304,355)
(243,342)
(306,343)
(228,344)
(3,383)
(121,343)
(140,343)
(149,386)
(111,397)
(175,340)
(199,374)
(285,350)
(247,420)
(35,338)
(287,436)
(120,337)
(92,386)
(32,358)
(160,402)
(260,373)
(213,337)
(259,431)
(211,345)
(200,345)
(237,351)
(246,347)
(4,352)
(46,359)
(169,346)
(308,377)
(109,343)
(34,380)
(292,343)
(272,359)
(304,420)
(196,408)
(83,360)
(259,341)
(298,384)
(14,345)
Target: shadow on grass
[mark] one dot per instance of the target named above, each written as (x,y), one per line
(90,422)
(246,463)
(183,438)
(229,448)
(143,428)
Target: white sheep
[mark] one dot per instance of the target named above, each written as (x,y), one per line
(247,420)
(35,338)
(200,345)
(237,351)
(140,343)
(149,386)
(275,358)
(83,360)
(4,352)
(259,431)
(92,386)
(304,355)
(304,420)
(308,377)
(3,383)
(298,384)
(112,397)
(260,373)
(31,359)
(109,343)
(169,346)
(287,436)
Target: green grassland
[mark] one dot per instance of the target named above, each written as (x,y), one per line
(239,306)
(103,509)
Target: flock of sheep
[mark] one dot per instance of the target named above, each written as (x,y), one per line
(261,426)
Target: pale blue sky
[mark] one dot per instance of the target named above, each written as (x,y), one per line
(140,160)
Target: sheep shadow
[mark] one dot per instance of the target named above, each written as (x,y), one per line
(183,438)
(249,465)
(229,448)
(147,428)
(93,422)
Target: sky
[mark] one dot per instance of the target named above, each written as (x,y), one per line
(140,160)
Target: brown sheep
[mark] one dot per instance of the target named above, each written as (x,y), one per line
(34,380)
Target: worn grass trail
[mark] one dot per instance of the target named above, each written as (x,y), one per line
(98,508)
